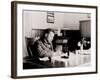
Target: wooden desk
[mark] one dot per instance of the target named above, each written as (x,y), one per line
(75,59)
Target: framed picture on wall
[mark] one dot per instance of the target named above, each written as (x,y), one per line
(66,47)
(50,17)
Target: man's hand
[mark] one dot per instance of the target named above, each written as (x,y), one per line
(57,53)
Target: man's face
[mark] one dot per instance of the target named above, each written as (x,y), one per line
(50,36)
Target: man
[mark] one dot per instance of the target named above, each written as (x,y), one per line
(43,47)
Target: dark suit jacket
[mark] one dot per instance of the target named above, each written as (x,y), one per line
(42,48)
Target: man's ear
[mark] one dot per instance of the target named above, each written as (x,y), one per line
(46,35)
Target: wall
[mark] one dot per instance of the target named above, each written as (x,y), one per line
(85,28)
(38,19)
(5,41)
(71,20)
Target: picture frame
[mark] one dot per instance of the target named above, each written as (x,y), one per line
(50,17)
(23,20)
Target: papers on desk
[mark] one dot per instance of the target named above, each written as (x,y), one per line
(59,53)
(44,59)
(84,52)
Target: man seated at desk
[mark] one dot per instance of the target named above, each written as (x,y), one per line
(43,50)
(43,47)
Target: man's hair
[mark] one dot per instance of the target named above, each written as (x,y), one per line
(47,31)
